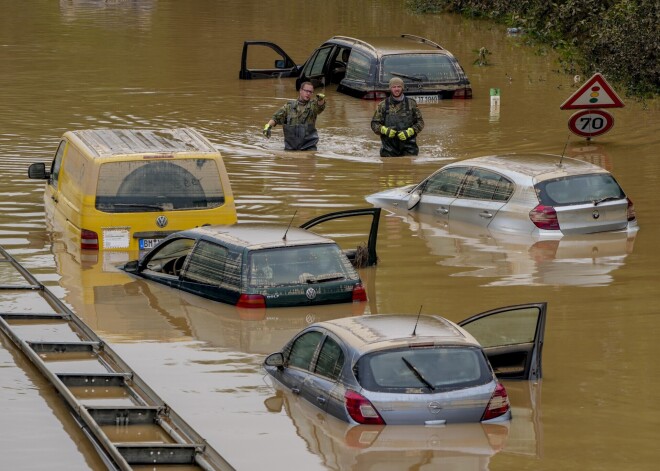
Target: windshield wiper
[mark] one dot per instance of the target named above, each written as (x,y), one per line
(607,198)
(418,374)
(159,207)
(329,277)
(411,77)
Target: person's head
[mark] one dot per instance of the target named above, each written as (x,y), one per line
(306,91)
(396,86)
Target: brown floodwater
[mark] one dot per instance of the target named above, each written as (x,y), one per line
(166,63)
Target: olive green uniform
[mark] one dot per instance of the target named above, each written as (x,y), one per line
(398,115)
(298,120)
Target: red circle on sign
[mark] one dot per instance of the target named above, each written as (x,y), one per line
(590,123)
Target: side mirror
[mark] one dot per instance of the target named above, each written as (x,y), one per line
(415,196)
(275,359)
(280,64)
(38,171)
(131,267)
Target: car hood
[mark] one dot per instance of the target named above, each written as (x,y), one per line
(391,196)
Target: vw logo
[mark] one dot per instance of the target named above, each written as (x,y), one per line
(161,221)
(595,214)
(310,293)
(435,407)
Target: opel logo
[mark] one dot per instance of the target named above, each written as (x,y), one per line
(435,407)
(595,214)
(161,221)
(310,293)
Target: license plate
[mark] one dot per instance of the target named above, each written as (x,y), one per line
(426,98)
(146,244)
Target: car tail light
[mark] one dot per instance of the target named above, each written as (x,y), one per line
(498,405)
(631,210)
(89,240)
(463,93)
(359,293)
(251,301)
(544,217)
(361,410)
(374,96)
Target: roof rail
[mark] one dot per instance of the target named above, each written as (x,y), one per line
(357,41)
(422,40)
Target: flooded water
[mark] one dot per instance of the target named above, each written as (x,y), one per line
(88,63)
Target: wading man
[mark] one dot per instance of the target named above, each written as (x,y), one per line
(298,119)
(397,120)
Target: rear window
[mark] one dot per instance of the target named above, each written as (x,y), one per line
(358,66)
(299,265)
(423,370)
(579,189)
(157,185)
(419,67)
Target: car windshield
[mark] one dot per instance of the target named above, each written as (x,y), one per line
(579,189)
(419,68)
(157,185)
(295,265)
(419,370)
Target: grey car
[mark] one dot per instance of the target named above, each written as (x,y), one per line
(539,194)
(412,370)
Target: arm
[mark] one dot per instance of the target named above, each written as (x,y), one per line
(418,121)
(378,119)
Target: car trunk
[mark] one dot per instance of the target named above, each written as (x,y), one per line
(590,218)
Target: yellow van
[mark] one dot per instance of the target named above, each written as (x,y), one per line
(125,189)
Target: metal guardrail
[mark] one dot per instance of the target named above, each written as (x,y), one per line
(112,428)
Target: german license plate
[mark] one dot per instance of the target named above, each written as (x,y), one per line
(426,98)
(146,244)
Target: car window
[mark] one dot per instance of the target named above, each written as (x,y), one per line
(446,182)
(358,66)
(57,163)
(214,264)
(164,258)
(331,359)
(578,189)
(303,349)
(316,63)
(137,186)
(414,369)
(485,185)
(295,265)
(414,67)
(506,328)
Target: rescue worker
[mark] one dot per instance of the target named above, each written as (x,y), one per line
(397,120)
(298,119)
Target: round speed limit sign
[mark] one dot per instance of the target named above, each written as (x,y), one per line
(590,123)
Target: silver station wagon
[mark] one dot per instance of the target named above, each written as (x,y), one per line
(544,195)
(413,370)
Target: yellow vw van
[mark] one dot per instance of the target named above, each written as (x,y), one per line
(125,189)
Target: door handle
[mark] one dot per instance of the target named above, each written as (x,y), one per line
(486,214)
(321,400)
(295,390)
(442,210)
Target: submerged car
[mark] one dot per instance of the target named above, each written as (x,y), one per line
(413,370)
(363,67)
(539,194)
(259,265)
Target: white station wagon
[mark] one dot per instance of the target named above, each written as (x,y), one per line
(538,194)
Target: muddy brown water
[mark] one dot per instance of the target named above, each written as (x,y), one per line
(80,64)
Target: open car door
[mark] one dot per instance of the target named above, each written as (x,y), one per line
(512,338)
(262,54)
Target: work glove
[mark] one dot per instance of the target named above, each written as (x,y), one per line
(387,132)
(268,130)
(320,96)
(403,135)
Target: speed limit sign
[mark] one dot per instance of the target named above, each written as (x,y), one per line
(590,123)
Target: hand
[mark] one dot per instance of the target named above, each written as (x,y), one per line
(403,135)
(268,129)
(320,97)
(387,132)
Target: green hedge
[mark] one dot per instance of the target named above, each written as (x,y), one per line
(618,38)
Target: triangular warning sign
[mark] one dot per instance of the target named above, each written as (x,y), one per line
(595,93)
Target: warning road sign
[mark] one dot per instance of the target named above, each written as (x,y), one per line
(590,123)
(595,93)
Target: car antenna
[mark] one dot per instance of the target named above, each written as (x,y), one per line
(291,221)
(418,314)
(564,151)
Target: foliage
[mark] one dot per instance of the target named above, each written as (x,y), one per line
(618,38)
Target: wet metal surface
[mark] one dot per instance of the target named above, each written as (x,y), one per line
(77,64)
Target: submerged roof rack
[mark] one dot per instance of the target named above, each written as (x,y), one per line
(420,39)
(356,41)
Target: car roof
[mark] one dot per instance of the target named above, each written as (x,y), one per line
(537,166)
(257,235)
(376,332)
(111,142)
(405,43)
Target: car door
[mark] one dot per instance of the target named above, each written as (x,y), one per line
(512,338)
(327,367)
(438,192)
(298,360)
(482,195)
(317,68)
(255,61)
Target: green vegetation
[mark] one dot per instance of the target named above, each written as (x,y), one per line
(618,38)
